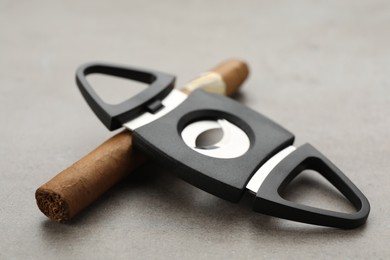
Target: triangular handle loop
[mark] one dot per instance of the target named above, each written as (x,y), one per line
(306,157)
(113,116)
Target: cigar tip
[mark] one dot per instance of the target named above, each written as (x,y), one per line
(233,72)
(52,205)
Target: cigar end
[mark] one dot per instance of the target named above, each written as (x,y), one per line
(224,79)
(233,72)
(52,205)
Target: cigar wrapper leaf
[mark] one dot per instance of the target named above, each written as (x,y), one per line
(73,189)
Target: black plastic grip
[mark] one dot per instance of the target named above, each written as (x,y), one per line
(225,178)
(306,157)
(114,116)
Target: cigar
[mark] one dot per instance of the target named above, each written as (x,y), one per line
(73,189)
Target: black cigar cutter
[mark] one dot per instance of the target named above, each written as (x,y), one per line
(220,146)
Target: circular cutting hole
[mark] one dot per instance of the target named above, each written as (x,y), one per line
(216,138)
(209,138)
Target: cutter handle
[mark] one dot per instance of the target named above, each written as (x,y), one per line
(78,186)
(269,201)
(114,116)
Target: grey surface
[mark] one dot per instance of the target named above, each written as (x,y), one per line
(319,68)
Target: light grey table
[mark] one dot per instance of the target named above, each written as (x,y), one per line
(319,68)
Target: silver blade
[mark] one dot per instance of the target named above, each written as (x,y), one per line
(170,102)
(262,173)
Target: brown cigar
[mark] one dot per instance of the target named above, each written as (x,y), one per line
(78,186)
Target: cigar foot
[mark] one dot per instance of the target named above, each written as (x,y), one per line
(52,205)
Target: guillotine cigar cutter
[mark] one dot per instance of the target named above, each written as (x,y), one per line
(220,146)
